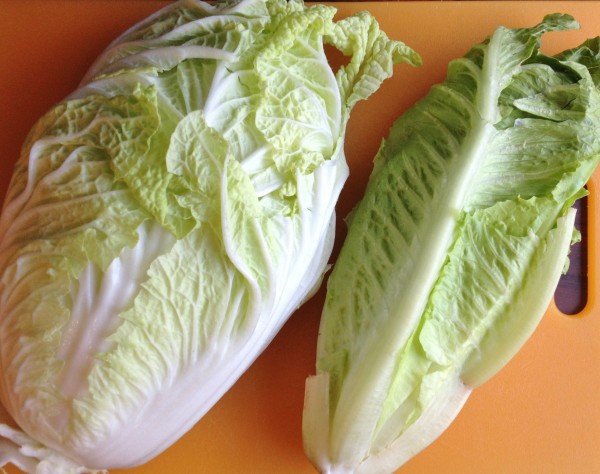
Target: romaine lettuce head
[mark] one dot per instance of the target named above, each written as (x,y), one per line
(164,221)
(453,254)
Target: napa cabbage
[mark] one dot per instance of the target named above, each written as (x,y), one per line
(454,252)
(165,219)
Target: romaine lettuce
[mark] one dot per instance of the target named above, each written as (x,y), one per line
(454,252)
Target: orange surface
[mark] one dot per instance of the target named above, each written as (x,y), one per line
(541,414)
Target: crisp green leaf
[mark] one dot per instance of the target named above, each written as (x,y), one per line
(454,252)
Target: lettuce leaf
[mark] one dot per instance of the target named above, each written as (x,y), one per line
(454,252)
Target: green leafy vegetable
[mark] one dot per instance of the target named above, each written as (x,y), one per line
(165,219)
(455,250)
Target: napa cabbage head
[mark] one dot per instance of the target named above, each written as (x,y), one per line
(455,250)
(165,219)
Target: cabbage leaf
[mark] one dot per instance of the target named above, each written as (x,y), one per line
(165,219)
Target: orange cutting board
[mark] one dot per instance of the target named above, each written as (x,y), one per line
(540,414)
